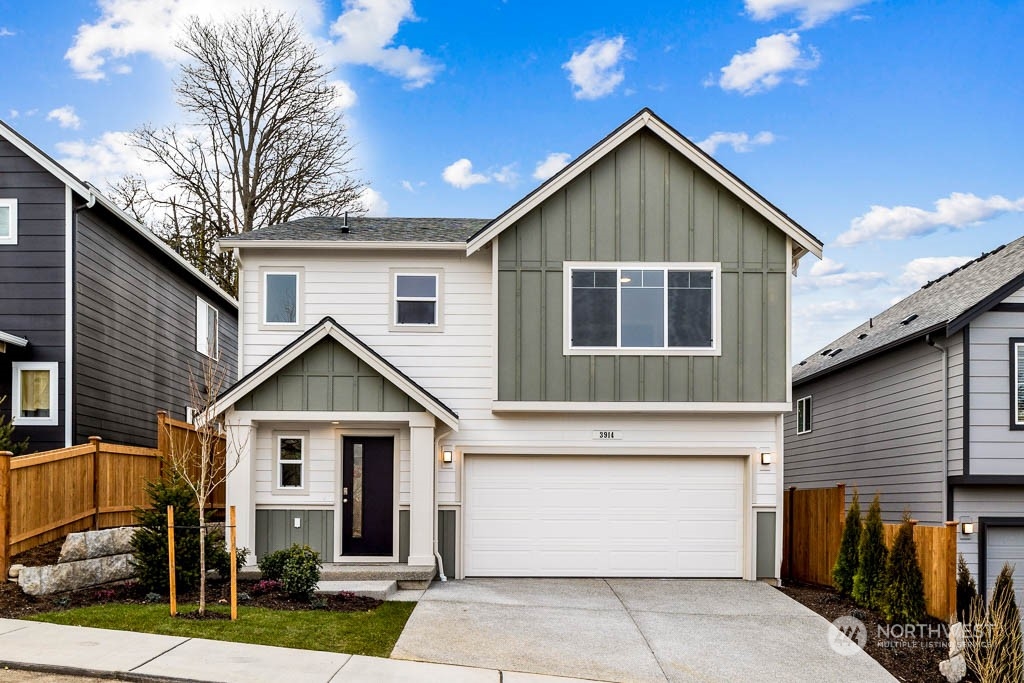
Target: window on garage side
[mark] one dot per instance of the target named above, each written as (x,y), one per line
(291,457)
(1017,383)
(34,394)
(803,415)
(642,308)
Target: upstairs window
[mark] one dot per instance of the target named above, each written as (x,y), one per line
(803,415)
(642,308)
(416,300)
(281,298)
(207,329)
(1017,383)
(8,221)
(34,394)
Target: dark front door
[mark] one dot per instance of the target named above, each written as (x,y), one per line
(367,495)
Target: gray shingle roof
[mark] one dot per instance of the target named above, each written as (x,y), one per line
(369,229)
(945,303)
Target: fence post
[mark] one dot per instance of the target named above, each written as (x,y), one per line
(789,532)
(162,438)
(94,441)
(951,562)
(5,513)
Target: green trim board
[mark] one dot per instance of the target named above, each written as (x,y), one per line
(765,544)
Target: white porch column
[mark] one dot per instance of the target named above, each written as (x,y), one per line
(239,486)
(421,490)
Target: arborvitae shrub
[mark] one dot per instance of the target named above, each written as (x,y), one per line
(966,588)
(904,590)
(846,563)
(869,581)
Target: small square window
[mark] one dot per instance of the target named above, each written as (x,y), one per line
(803,415)
(207,329)
(8,221)
(282,299)
(417,298)
(290,461)
(34,394)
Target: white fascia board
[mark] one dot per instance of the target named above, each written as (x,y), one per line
(228,243)
(637,407)
(12,340)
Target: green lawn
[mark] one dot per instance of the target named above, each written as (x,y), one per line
(357,633)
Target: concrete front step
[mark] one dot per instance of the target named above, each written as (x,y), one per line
(378,590)
(405,576)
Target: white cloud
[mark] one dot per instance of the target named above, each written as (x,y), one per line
(595,72)
(460,175)
(373,202)
(13,113)
(830,273)
(739,141)
(923,270)
(105,159)
(344,95)
(65,117)
(809,12)
(762,67)
(826,266)
(506,175)
(6,32)
(958,210)
(412,187)
(550,165)
(365,34)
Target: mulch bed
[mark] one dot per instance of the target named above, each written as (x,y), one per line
(40,555)
(912,657)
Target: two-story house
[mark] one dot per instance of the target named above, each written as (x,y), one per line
(924,403)
(100,322)
(591,384)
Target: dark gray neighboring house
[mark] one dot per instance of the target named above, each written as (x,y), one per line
(99,319)
(925,404)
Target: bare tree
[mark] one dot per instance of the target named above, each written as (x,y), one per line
(264,141)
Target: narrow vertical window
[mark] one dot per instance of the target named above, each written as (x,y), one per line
(1017,382)
(207,329)
(803,415)
(290,460)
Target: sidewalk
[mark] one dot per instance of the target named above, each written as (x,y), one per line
(146,657)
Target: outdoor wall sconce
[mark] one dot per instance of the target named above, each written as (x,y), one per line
(967,528)
(766,458)
(447,455)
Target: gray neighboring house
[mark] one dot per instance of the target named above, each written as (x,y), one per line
(925,403)
(99,319)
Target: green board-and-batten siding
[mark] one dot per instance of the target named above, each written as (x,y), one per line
(765,544)
(275,530)
(642,202)
(328,377)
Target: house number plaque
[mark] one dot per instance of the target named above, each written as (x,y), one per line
(606,434)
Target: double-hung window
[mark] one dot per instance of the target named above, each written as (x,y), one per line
(34,394)
(417,300)
(207,324)
(1017,383)
(8,221)
(291,458)
(282,299)
(804,422)
(642,308)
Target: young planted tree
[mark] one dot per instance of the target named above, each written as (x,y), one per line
(7,442)
(846,563)
(966,588)
(264,140)
(994,649)
(869,581)
(904,589)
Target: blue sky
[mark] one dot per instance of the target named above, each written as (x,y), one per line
(891,130)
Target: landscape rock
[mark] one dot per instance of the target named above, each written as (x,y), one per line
(13,572)
(93,544)
(953,669)
(69,576)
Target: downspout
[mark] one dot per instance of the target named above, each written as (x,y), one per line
(941,348)
(437,552)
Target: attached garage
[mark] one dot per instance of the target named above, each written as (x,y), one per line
(1004,544)
(666,516)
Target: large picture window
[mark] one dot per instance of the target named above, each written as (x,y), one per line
(34,394)
(642,308)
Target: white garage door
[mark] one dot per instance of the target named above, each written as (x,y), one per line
(1005,545)
(603,516)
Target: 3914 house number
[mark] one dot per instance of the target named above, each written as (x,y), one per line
(607,434)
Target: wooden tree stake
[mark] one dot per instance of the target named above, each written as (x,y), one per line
(234,566)
(170,560)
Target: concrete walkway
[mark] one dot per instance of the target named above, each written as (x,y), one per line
(635,630)
(146,657)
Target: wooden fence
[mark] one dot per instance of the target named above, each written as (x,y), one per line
(45,496)
(812,531)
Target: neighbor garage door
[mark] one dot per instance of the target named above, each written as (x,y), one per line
(603,516)
(1005,544)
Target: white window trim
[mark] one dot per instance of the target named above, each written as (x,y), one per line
(393,324)
(1014,413)
(202,333)
(303,463)
(299,298)
(809,422)
(716,310)
(11,204)
(16,419)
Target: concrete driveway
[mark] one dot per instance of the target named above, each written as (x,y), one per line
(629,630)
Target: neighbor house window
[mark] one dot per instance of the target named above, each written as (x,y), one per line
(642,308)
(34,393)
(207,327)
(8,221)
(416,297)
(291,458)
(1017,382)
(803,415)
(282,298)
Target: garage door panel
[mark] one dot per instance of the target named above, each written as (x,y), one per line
(586,516)
(1005,545)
